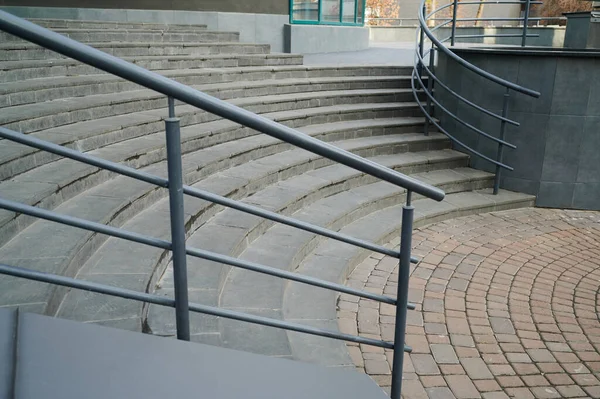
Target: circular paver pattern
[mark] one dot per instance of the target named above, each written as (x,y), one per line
(507,306)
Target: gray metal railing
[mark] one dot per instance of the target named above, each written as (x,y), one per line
(176,91)
(432,106)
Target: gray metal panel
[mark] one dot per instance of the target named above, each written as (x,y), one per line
(7,342)
(68,360)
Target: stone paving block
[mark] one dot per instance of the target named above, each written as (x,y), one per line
(476,369)
(444,354)
(462,387)
(425,364)
(440,393)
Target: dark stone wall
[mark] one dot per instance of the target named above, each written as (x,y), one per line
(558,143)
(244,6)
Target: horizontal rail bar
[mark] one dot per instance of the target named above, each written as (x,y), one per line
(164,301)
(446,22)
(198,253)
(467,3)
(454,139)
(466,101)
(116,66)
(491,19)
(494,35)
(192,191)
(458,119)
(470,66)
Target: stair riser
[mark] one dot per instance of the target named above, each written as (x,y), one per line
(156,101)
(140,36)
(74,24)
(90,242)
(19,74)
(37,95)
(159,49)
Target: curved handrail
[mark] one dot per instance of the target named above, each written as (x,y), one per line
(437,80)
(432,120)
(434,109)
(456,118)
(46,38)
(440,46)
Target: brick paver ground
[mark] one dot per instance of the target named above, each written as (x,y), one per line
(507,306)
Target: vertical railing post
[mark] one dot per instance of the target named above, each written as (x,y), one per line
(454,13)
(171,102)
(525,22)
(430,86)
(422,42)
(500,153)
(402,298)
(182,312)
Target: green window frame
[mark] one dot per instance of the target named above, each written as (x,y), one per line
(318,19)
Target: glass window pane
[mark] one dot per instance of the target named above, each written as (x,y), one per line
(330,10)
(305,10)
(349,10)
(359,17)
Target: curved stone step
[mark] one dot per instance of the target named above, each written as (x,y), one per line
(28,51)
(34,117)
(334,261)
(95,133)
(52,183)
(49,89)
(52,23)
(129,198)
(206,275)
(89,35)
(281,246)
(16,71)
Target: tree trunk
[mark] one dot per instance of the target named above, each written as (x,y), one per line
(479,14)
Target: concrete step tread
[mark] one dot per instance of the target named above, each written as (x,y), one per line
(68,105)
(53,22)
(71,135)
(140,29)
(66,81)
(56,175)
(101,45)
(21,64)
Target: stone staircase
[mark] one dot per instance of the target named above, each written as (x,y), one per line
(365,110)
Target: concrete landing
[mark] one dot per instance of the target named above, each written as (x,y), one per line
(70,360)
(377,54)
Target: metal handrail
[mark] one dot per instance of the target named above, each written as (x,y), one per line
(431,75)
(440,46)
(116,66)
(433,121)
(434,103)
(457,118)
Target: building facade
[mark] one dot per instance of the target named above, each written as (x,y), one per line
(296,26)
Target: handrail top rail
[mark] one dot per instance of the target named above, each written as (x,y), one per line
(440,46)
(70,48)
